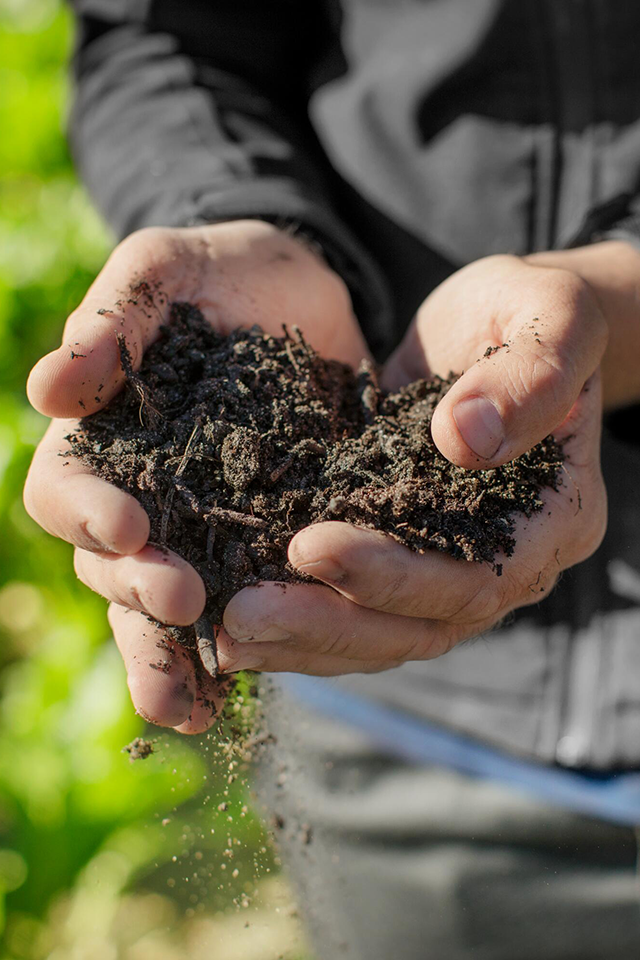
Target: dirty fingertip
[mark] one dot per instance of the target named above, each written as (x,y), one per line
(208,705)
(159,697)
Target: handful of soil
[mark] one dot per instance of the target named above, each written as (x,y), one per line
(234,443)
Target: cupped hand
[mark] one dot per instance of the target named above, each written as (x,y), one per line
(384,605)
(238,274)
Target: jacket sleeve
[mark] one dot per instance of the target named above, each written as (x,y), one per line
(616,219)
(194,112)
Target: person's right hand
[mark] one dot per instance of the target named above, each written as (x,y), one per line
(238,274)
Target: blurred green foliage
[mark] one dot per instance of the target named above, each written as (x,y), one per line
(79,824)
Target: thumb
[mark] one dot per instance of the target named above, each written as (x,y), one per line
(85,372)
(512,398)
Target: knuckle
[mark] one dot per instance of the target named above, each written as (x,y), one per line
(566,285)
(566,291)
(574,296)
(532,373)
(388,594)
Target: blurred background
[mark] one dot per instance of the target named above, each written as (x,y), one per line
(99,857)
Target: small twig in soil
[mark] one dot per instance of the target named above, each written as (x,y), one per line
(188,496)
(298,334)
(195,433)
(281,469)
(180,487)
(309,446)
(216,514)
(304,446)
(294,363)
(206,641)
(211,539)
(133,378)
(166,513)
(234,516)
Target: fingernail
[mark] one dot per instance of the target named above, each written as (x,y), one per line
(480,426)
(270,635)
(324,569)
(242,662)
(94,540)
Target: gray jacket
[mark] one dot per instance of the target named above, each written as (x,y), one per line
(408,137)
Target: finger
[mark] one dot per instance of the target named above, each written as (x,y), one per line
(289,658)
(305,621)
(156,582)
(579,508)
(209,701)
(126,297)
(66,499)
(375,571)
(581,431)
(161,675)
(509,401)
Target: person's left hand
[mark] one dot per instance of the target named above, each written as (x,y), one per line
(384,604)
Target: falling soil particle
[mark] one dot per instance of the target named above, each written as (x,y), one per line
(139,749)
(234,443)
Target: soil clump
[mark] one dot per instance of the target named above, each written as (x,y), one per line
(234,443)
(139,749)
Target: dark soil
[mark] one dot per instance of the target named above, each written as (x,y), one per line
(234,443)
